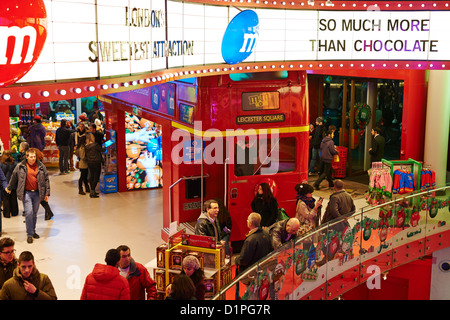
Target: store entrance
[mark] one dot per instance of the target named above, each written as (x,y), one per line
(355,106)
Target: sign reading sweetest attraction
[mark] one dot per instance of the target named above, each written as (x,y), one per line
(23,31)
(95,39)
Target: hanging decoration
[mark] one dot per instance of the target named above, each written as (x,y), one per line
(363,114)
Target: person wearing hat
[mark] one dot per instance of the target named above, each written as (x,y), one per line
(83,120)
(36,139)
(191,267)
(308,209)
(316,140)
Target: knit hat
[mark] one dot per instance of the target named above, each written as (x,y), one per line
(191,262)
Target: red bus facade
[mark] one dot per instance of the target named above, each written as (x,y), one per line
(222,113)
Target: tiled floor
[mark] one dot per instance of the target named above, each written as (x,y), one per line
(83,229)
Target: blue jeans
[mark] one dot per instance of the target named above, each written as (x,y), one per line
(314,157)
(31,203)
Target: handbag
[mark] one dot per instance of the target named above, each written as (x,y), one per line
(77,164)
(336,158)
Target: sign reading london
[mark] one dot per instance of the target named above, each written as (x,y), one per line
(144,49)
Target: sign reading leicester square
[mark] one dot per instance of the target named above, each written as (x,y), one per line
(52,40)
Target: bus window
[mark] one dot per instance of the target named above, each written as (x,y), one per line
(266,156)
(256,101)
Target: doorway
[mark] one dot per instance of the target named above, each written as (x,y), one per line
(355,106)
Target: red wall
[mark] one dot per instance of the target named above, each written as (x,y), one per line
(407,282)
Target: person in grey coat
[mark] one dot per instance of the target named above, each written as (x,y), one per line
(32,184)
(340,204)
(327,151)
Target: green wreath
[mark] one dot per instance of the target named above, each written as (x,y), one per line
(363,113)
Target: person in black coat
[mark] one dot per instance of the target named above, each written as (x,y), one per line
(10,204)
(378,143)
(266,205)
(62,139)
(225,224)
(207,223)
(256,244)
(3,186)
(317,137)
(94,160)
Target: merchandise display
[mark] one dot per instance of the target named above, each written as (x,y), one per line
(399,177)
(51,152)
(169,262)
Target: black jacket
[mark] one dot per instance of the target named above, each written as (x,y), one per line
(256,246)
(62,136)
(93,153)
(278,234)
(377,152)
(268,211)
(8,169)
(319,133)
(204,227)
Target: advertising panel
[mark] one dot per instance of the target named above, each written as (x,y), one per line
(144,153)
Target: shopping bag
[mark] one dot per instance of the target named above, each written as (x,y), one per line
(282,215)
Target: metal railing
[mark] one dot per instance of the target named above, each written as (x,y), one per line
(348,251)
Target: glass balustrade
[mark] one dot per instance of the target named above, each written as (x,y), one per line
(354,249)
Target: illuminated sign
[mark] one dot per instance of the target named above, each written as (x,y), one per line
(269,118)
(104,38)
(22,37)
(240,37)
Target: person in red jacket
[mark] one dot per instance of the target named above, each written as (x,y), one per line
(105,281)
(137,275)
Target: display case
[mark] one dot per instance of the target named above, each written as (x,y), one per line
(51,152)
(169,258)
(27,112)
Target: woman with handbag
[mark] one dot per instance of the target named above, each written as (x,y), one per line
(308,209)
(82,165)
